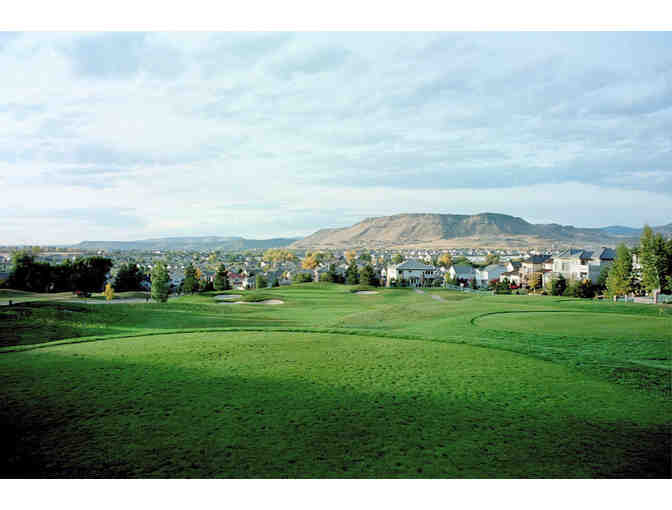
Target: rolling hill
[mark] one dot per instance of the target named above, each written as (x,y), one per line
(187,243)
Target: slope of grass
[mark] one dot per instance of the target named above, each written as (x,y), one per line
(336,384)
(272,404)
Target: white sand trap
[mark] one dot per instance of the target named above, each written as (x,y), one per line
(227,297)
(266,302)
(366,292)
(418,291)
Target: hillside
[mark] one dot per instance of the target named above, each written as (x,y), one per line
(187,243)
(443,230)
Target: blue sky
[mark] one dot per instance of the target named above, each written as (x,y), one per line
(135,135)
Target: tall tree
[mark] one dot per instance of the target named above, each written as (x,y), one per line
(651,254)
(310,261)
(160,282)
(619,281)
(89,273)
(128,278)
(350,256)
(109,292)
(190,283)
(222,278)
(397,258)
(352,274)
(558,286)
(445,260)
(367,276)
(260,282)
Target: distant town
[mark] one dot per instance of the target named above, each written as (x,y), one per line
(505,270)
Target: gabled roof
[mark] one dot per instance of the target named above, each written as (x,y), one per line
(414,264)
(537,259)
(463,269)
(606,254)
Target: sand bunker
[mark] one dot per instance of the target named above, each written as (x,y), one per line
(366,292)
(227,297)
(266,302)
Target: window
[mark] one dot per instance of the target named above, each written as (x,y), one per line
(565,266)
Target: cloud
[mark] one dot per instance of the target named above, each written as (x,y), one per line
(204,131)
(118,55)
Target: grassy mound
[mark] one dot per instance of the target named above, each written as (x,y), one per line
(273,404)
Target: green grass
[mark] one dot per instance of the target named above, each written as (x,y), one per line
(333,384)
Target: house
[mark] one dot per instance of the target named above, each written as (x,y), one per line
(513,267)
(513,277)
(581,264)
(413,273)
(462,272)
(492,272)
(534,264)
(235,280)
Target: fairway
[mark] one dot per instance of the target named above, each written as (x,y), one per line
(333,384)
(584,324)
(306,405)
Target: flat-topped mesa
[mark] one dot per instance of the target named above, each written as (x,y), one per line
(428,229)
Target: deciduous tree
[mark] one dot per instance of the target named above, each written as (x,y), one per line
(109,292)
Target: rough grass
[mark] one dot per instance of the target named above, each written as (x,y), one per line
(331,385)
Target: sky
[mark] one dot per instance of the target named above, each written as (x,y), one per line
(121,136)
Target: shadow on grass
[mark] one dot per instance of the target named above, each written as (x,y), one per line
(69,416)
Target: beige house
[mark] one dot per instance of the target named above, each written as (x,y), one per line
(413,273)
(581,264)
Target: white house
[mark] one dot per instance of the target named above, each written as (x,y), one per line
(413,272)
(492,272)
(581,264)
(462,272)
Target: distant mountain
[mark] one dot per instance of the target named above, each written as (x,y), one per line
(485,229)
(187,243)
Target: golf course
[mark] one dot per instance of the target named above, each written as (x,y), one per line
(316,380)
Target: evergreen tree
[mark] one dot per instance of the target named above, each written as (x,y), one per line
(222,278)
(352,274)
(160,282)
(128,278)
(558,286)
(190,283)
(619,281)
(260,281)
(649,257)
(368,276)
(602,280)
(473,283)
